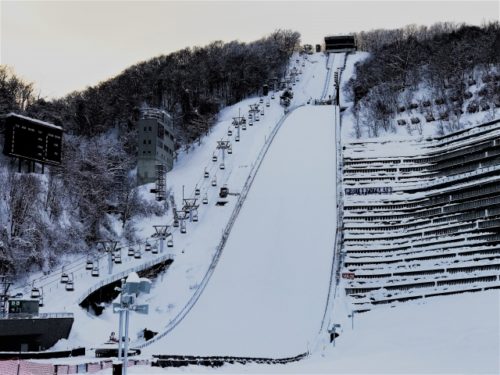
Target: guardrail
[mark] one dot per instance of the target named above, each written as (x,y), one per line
(123,274)
(225,235)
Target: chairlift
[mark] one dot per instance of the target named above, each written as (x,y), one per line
(90,265)
(224,191)
(170,243)
(118,259)
(206,174)
(70,286)
(40,301)
(222,166)
(229,132)
(95,271)
(268,104)
(197,192)
(35,293)
(130,252)
(257,118)
(272,96)
(147,247)
(205,200)
(176,223)
(64,278)
(195,216)
(183,227)
(250,116)
(229,150)
(244,127)
(154,250)
(137,254)
(214,158)
(261,100)
(250,123)
(237,138)
(214,182)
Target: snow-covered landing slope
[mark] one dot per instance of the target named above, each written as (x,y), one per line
(268,292)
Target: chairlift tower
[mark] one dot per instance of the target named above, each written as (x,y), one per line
(224,145)
(162,232)
(191,207)
(109,247)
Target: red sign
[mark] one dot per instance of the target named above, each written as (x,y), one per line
(348,275)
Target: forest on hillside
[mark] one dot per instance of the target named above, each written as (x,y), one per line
(458,66)
(68,209)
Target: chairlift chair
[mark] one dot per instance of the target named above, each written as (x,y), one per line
(147,247)
(224,191)
(35,293)
(272,96)
(222,166)
(95,271)
(196,192)
(257,118)
(118,259)
(137,254)
(268,104)
(205,200)
(214,182)
(229,132)
(70,286)
(183,227)
(40,301)
(130,252)
(89,265)
(243,127)
(261,100)
(237,138)
(229,151)
(176,223)
(64,278)
(250,123)
(214,158)
(154,250)
(206,174)
(195,217)
(170,243)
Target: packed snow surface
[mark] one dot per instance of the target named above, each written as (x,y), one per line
(268,292)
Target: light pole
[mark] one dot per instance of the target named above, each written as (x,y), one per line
(130,289)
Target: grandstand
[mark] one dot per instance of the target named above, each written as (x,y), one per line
(424,223)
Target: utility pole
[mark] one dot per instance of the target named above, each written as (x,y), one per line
(129,289)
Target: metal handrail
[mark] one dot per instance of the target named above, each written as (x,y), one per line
(123,274)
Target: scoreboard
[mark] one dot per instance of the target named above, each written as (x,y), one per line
(32,139)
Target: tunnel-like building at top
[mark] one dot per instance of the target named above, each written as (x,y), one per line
(340,43)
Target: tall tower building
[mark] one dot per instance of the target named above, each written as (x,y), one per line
(156,144)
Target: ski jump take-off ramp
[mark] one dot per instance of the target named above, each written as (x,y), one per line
(267,295)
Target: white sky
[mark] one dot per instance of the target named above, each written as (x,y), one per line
(67,45)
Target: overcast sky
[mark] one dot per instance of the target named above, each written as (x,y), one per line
(67,45)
